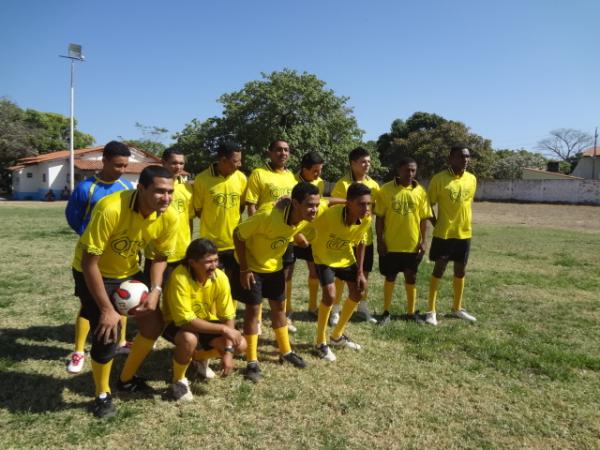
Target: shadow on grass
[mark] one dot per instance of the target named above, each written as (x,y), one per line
(16,345)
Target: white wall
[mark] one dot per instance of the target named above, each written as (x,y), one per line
(540,191)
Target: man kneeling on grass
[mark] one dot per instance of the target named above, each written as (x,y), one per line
(200,316)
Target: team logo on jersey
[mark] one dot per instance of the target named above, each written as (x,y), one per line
(226,200)
(125,247)
(179,205)
(277,191)
(458,194)
(336,243)
(277,243)
(403,205)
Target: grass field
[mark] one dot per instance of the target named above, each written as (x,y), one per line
(526,375)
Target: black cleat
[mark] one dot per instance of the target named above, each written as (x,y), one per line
(136,385)
(253,372)
(103,407)
(293,359)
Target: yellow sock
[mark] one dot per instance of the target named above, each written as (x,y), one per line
(339,290)
(288,296)
(324,312)
(283,339)
(434,284)
(82,328)
(459,286)
(252,347)
(123,337)
(101,375)
(179,370)
(202,355)
(347,311)
(139,350)
(388,292)
(313,291)
(411,298)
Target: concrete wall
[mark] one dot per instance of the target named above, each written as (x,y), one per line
(540,191)
(584,168)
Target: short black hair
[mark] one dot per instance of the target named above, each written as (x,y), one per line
(303,190)
(226,149)
(173,150)
(458,148)
(310,159)
(199,248)
(403,161)
(115,148)
(356,190)
(358,153)
(151,172)
(272,144)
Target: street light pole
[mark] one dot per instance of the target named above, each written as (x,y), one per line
(74,55)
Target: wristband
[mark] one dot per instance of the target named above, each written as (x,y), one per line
(229,349)
(158,288)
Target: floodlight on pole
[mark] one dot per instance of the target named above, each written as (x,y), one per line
(74,54)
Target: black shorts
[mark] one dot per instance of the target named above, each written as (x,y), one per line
(288,257)
(393,263)
(327,275)
(456,250)
(204,339)
(267,285)
(368,261)
(226,260)
(304,253)
(166,274)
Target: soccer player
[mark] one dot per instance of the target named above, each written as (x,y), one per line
(267,184)
(360,163)
(194,290)
(453,191)
(337,229)
(311,166)
(115,158)
(402,211)
(260,243)
(107,254)
(174,161)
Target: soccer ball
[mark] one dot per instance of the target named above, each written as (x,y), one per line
(129,295)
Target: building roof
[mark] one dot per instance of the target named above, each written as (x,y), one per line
(557,175)
(590,151)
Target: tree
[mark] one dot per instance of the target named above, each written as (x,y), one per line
(565,143)
(151,141)
(428,138)
(282,105)
(509,164)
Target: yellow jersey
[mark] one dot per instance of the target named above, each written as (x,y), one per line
(319,183)
(454,195)
(334,240)
(219,199)
(118,233)
(183,206)
(341,188)
(186,299)
(266,185)
(402,210)
(267,235)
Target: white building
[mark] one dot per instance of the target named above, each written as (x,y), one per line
(585,166)
(34,176)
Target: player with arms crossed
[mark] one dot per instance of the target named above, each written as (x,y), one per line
(453,191)
(402,211)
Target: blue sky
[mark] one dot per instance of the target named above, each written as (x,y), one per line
(511,70)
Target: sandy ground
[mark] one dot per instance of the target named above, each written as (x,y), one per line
(553,216)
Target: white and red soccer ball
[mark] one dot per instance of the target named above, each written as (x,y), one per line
(129,296)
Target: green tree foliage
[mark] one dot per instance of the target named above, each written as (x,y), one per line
(285,105)
(427,138)
(509,164)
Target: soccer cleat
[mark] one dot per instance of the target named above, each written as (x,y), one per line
(463,314)
(76,362)
(103,407)
(253,372)
(203,370)
(124,348)
(291,327)
(324,352)
(363,311)
(334,317)
(181,392)
(294,359)
(134,386)
(344,341)
(416,317)
(386,318)
(431,318)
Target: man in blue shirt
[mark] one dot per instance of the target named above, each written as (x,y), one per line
(115,158)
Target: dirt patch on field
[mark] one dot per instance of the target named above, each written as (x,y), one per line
(552,216)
